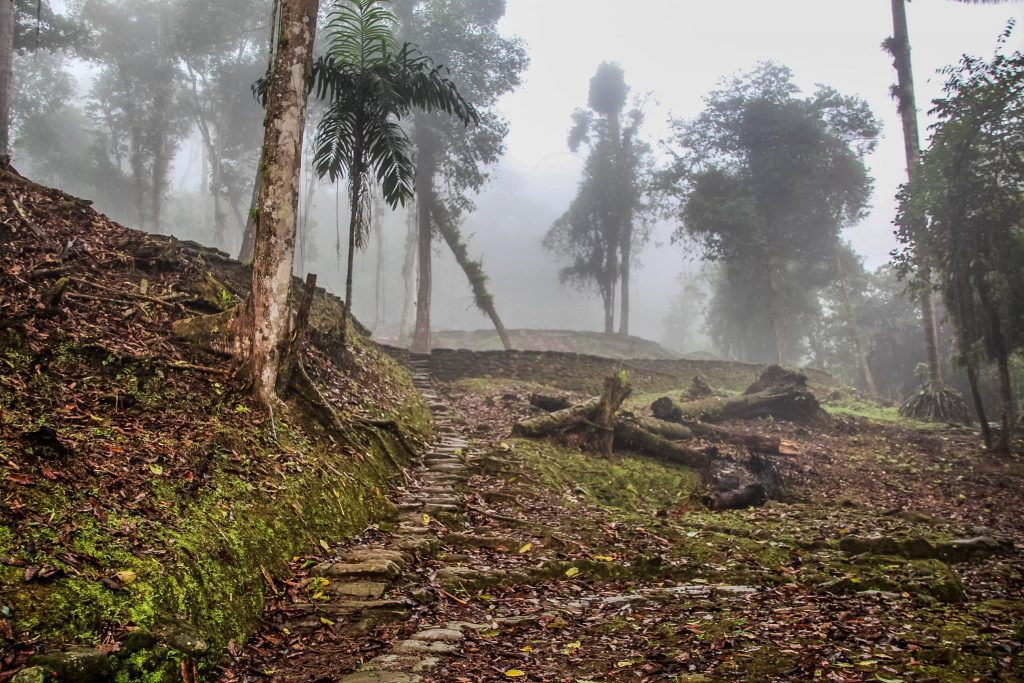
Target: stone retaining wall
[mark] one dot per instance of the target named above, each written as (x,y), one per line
(583,373)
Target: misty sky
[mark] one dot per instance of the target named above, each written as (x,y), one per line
(678,50)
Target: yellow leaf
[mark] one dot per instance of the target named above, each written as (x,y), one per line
(572,571)
(326,622)
(490,633)
(526,648)
(324,545)
(426,519)
(127,577)
(604,558)
(624,663)
(515,673)
(504,446)
(526,548)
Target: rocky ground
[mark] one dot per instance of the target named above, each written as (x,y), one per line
(894,558)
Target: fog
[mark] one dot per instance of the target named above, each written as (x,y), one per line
(674,52)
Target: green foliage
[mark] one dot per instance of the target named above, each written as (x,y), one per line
(765,180)
(964,210)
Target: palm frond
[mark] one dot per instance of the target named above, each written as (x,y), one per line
(361,32)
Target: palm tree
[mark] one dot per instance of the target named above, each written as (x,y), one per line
(899,47)
(372,84)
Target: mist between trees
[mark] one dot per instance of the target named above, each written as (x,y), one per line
(147,107)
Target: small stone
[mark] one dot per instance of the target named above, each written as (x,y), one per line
(735,590)
(438,634)
(419,646)
(182,636)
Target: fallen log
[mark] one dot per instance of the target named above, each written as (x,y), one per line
(751,495)
(560,420)
(550,403)
(787,404)
(673,431)
(755,442)
(636,438)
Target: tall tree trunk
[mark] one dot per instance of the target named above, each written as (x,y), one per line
(245,252)
(627,245)
(379,295)
(6,73)
(900,49)
(999,350)
(608,299)
(475,274)
(305,209)
(355,226)
(408,276)
(425,169)
(855,333)
(279,195)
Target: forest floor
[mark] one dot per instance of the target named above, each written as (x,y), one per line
(547,564)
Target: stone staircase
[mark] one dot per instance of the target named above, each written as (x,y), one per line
(357,582)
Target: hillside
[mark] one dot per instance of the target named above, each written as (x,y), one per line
(572,341)
(146,500)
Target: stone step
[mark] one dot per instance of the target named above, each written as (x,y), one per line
(379,570)
(358,589)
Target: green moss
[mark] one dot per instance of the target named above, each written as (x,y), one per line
(626,482)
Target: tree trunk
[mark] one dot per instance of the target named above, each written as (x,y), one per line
(292,354)
(379,295)
(279,195)
(425,201)
(627,243)
(855,333)
(616,390)
(355,227)
(999,350)
(6,73)
(906,100)
(408,270)
(638,439)
(609,309)
(545,425)
(249,234)
(475,274)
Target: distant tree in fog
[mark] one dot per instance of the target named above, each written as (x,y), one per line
(598,231)
(765,180)
(451,160)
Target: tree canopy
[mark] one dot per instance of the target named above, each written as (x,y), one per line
(765,179)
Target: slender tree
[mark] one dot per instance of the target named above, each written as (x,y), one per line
(281,165)
(372,84)
(6,73)
(452,161)
(898,45)
(966,208)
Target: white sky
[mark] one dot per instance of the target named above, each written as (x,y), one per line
(679,49)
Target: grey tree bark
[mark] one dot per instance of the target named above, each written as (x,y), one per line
(277,206)
(6,73)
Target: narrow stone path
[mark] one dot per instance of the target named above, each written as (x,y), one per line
(359,578)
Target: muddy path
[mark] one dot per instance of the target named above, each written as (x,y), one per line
(894,558)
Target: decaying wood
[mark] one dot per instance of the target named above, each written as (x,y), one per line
(755,442)
(789,404)
(634,437)
(616,390)
(560,420)
(550,403)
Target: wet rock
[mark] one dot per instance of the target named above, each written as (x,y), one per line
(136,641)
(79,665)
(183,637)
